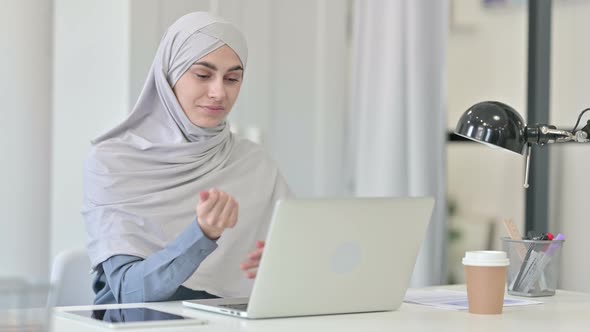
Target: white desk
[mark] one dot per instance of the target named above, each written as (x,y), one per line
(566,311)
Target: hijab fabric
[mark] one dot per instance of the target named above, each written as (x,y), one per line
(142,178)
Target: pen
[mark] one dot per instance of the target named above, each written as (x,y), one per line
(523,267)
(542,262)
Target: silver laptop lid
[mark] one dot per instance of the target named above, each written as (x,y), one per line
(325,256)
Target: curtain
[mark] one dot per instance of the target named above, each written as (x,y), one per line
(397,124)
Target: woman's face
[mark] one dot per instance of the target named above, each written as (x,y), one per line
(209,88)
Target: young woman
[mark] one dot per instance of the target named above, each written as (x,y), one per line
(175,205)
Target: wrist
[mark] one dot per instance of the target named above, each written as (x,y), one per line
(209,232)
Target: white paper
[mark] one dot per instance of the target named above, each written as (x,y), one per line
(452,300)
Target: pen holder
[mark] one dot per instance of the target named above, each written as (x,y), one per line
(534,266)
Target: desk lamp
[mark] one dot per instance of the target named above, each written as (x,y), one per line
(499,126)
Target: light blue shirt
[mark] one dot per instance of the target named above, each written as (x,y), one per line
(159,277)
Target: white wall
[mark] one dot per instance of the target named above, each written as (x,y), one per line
(570,87)
(294,92)
(295,87)
(25,103)
(487,61)
(308,95)
(91,89)
(148,20)
(95,83)
(570,62)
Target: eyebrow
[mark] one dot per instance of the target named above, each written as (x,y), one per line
(213,67)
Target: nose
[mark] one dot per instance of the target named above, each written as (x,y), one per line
(217,90)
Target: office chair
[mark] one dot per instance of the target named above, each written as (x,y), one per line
(71,280)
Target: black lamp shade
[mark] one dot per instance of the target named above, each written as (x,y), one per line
(491,122)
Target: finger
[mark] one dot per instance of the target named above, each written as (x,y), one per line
(251,274)
(256,254)
(260,244)
(215,212)
(204,208)
(213,195)
(249,265)
(233,218)
(225,215)
(204,195)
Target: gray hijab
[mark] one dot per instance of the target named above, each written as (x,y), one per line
(142,178)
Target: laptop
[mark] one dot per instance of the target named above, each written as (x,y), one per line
(333,256)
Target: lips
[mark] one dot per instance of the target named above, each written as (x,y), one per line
(213,110)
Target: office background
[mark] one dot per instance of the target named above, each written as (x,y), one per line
(71,69)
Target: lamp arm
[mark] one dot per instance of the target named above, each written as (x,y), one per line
(542,134)
(527,165)
(583,134)
(550,134)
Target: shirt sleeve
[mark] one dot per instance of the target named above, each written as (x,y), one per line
(157,277)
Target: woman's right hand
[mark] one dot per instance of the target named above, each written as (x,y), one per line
(216,211)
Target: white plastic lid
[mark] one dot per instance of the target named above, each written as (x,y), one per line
(486,258)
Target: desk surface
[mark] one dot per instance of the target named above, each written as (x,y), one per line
(566,311)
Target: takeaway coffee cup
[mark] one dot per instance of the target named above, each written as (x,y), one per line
(485,274)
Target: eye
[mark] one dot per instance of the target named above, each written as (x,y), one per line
(203,76)
(232,79)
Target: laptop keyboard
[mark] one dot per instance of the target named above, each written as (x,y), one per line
(240,306)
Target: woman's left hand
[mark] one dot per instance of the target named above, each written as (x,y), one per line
(250,267)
